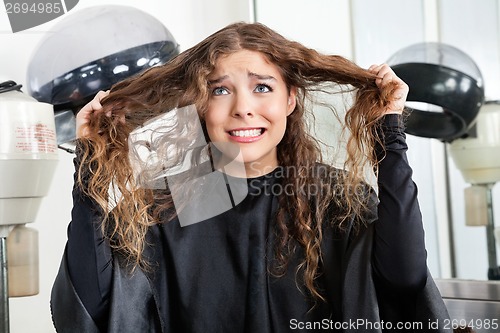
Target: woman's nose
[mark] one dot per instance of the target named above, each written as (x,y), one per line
(242,106)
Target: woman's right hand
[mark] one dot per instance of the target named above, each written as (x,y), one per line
(386,76)
(83,116)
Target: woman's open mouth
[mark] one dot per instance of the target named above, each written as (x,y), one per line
(247,135)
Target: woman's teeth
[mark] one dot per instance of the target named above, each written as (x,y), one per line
(247,133)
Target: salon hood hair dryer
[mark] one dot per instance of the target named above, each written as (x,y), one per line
(90,50)
(28,157)
(446,89)
(446,102)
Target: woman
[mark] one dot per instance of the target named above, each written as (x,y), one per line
(321,253)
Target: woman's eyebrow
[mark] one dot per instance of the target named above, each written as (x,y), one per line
(261,76)
(217,80)
(250,74)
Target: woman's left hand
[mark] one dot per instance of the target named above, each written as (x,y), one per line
(385,76)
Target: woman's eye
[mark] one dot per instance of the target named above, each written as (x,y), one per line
(262,88)
(220,91)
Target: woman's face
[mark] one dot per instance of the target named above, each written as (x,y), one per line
(248,109)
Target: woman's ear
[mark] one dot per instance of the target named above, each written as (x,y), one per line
(292,102)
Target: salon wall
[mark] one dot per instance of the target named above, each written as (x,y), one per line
(370,32)
(189,21)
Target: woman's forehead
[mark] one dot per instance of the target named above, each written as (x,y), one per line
(244,60)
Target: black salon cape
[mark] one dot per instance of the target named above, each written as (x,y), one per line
(157,300)
(134,303)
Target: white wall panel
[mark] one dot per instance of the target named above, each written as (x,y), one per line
(320,24)
(472,26)
(383,27)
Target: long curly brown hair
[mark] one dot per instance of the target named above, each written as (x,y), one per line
(182,82)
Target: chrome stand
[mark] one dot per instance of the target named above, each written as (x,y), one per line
(493,268)
(4,294)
